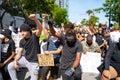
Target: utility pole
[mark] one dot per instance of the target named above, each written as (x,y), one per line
(110,14)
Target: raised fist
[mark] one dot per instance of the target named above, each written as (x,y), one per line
(44,16)
(32,16)
(50,23)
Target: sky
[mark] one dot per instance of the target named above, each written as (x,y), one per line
(77,10)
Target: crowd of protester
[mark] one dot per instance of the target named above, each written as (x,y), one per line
(66,43)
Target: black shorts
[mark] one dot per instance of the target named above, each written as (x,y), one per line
(116,66)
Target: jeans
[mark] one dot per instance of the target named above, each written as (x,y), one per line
(4,75)
(76,75)
(32,67)
(54,72)
(1,78)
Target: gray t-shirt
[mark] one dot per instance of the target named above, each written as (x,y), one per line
(69,53)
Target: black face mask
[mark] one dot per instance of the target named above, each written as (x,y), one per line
(70,40)
(89,43)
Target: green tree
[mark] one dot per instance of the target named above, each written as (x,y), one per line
(60,15)
(94,20)
(97,10)
(84,22)
(112,9)
(89,12)
(27,6)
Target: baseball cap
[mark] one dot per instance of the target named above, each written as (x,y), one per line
(25,27)
(6,32)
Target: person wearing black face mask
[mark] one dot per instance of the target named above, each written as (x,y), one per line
(89,45)
(70,38)
(112,62)
(71,53)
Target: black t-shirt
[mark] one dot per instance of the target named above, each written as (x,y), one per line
(6,49)
(99,38)
(31,47)
(113,55)
(69,53)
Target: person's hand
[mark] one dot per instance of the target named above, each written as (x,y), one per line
(106,74)
(84,52)
(16,64)
(1,65)
(44,16)
(46,52)
(97,50)
(70,71)
(32,16)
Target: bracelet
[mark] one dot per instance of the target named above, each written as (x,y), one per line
(72,68)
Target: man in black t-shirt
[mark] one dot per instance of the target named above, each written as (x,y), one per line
(29,45)
(71,53)
(7,52)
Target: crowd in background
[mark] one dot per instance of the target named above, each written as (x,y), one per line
(67,43)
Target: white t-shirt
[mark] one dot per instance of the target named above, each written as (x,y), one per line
(114,36)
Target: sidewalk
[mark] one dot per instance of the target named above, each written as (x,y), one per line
(24,75)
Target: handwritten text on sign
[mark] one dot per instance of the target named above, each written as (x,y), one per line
(46,59)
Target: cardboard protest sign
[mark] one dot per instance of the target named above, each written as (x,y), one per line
(45,59)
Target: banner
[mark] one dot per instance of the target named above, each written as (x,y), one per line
(90,61)
(46,59)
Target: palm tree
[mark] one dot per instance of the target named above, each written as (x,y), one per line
(89,12)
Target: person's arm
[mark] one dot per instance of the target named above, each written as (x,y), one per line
(17,57)
(44,25)
(12,47)
(54,51)
(77,60)
(108,56)
(107,34)
(78,55)
(103,44)
(11,57)
(91,27)
(39,26)
(50,23)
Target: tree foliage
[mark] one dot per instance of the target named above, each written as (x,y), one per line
(89,12)
(84,22)
(94,20)
(112,9)
(59,15)
(28,6)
